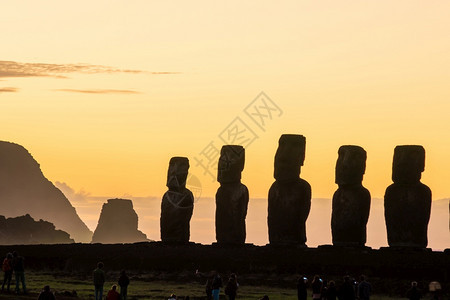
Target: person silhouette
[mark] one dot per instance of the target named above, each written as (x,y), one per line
(216,285)
(331,291)
(8,270)
(232,287)
(301,288)
(346,291)
(99,281)
(19,271)
(413,293)
(123,282)
(208,287)
(364,289)
(113,294)
(317,286)
(46,294)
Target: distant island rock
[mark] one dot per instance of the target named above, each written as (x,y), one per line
(118,223)
(24,230)
(25,190)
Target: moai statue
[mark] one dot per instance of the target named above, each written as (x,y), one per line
(231,197)
(351,201)
(289,195)
(407,202)
(177,203)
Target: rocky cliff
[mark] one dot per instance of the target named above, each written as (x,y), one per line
(25,190)
(24,230)
(118,223)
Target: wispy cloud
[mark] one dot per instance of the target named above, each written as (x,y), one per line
(71,194)
(165,73)
(9,90)
(99,91)
(10,69)
(13,69)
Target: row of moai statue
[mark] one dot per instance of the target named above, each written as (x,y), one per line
(407,201)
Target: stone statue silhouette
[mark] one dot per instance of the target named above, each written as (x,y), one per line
(407,202)
(351,201)
(289,195)
(231,197)
(177,203)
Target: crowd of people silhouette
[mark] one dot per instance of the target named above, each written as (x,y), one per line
(13,263)
(319,288)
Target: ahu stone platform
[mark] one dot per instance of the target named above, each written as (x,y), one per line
(148,257)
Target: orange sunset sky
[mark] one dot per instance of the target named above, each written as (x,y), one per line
(103,93)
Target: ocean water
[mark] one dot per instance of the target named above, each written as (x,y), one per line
(318,225)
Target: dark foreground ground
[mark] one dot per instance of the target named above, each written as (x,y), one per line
(389,270)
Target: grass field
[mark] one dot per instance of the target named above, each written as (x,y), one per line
(142,288)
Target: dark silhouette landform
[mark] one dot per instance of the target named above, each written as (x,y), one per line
(118,223)
(25,230)
(351,202)
(231,197)
(177,204)
(289,196)
(407,201)
(25,190)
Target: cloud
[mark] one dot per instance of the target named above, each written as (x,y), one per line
(73,196)
(12,69)
(165,73)
(99,91)
(9,90)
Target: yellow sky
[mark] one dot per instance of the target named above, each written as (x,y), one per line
(370,73)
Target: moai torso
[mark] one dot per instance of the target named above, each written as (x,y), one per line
(351,201)
(289,196)
(407,202)
(177,203)
(231,197)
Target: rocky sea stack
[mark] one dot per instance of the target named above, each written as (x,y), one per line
(118,223)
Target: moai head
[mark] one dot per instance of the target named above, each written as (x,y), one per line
(231,163)
(350,165)
(177,173)
(289,157)
(408,164)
